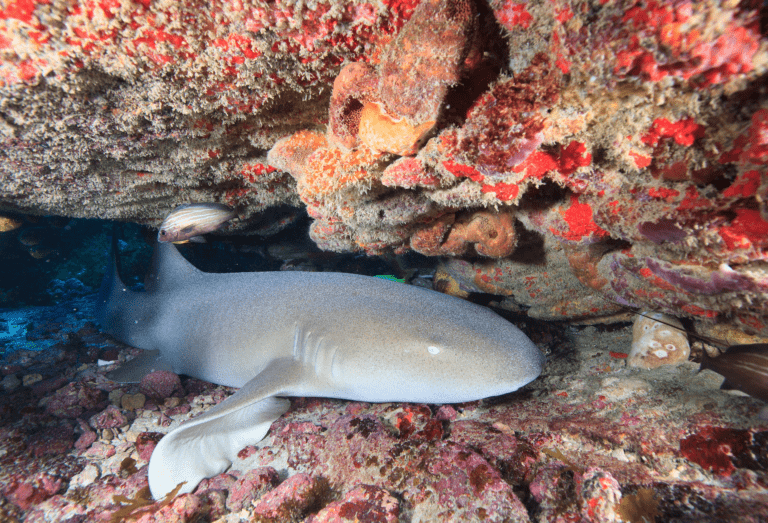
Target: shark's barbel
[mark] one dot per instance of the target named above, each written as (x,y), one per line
(300,334)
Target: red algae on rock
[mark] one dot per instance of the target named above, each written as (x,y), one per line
(290,499)
(427,58)
(249,486)
(160,384)
(72,400)
(716,448)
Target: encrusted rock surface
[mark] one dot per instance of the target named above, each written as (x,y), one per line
(626,137)
(122,110)
(628,140)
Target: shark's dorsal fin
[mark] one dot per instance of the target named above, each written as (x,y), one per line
(169,269)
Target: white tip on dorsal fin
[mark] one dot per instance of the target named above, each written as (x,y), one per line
(169,268)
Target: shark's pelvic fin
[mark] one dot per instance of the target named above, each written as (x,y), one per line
(146,363)
(207,445)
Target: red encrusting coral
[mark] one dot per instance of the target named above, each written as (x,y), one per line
(511,14)
(683,131)
(579,221)
(716,448)
(692,52)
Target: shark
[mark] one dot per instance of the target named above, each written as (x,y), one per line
(296,334)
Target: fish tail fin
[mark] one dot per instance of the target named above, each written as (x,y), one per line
(704,361)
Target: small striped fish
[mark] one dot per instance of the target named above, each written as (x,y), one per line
(187,222)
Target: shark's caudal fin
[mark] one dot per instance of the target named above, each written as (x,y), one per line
(111,287)
(207,445)
(125,314)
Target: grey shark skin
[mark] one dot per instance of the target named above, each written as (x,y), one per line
(300,334)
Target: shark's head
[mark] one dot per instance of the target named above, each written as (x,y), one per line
(435,356)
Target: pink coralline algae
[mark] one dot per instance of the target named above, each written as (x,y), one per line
(146,443)
(72,400)
(363,503)
(28,493)
(585,442)
(109,418)
(290,499)
(600,493)
(249,486)
(53,440)
(160,384)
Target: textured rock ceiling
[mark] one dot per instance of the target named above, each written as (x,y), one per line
(568,151)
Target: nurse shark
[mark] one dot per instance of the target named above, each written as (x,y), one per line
(277,334)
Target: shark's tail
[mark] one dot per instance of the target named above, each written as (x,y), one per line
(111,284)
(118,309)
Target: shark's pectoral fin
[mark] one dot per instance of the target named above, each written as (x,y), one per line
(146,363)
(207,445)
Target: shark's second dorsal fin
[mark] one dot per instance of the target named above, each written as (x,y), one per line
(169,269)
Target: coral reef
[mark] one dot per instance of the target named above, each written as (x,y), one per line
(644,164)
(657,339)
(490,234)
(536,279)
(629,135)
(124,110)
